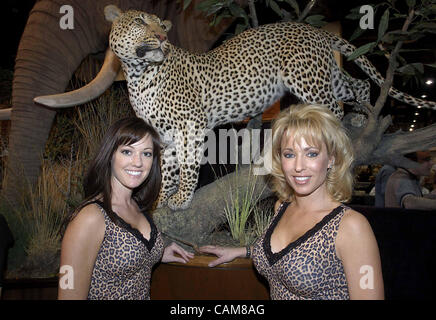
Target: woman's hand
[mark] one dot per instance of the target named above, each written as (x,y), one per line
(224,254)
(171,250)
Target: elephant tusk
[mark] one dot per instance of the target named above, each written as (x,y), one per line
(5,114)
(92,90)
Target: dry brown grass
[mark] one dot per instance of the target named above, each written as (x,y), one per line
(37,220)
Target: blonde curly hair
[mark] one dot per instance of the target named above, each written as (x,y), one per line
(317,125)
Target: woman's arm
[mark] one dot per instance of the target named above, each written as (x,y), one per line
(171,250)
(80,246)
(357,248)
(224,254)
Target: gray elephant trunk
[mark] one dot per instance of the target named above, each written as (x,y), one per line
(47,57)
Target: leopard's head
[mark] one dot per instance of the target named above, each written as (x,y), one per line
(137,35)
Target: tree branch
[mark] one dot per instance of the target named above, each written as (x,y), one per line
(387,84)
(253,13)
(401,142)
(306,10)
(369,138)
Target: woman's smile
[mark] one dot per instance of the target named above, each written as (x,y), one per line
(304,165)
(134,173)
(301,180)
(131,163)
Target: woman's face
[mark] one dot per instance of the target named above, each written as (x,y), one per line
(131,164)
(304,165)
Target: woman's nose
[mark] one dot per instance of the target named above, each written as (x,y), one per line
(299,164)
(137,160)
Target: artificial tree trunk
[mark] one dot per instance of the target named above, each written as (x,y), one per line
(206,212)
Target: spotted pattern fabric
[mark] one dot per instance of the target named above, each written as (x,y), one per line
(308,268)
(123,267)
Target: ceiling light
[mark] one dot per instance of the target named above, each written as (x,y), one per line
(424,96)
(416,114)
(414,120)
(419,107)
(429,82)
(411,129)
(412,126)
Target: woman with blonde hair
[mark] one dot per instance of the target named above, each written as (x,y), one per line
(315,247)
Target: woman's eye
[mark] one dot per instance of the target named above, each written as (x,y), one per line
(126,152)
(312,154)
(148,154)
(288,155)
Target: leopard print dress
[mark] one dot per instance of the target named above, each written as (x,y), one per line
(123,267)
(308,268)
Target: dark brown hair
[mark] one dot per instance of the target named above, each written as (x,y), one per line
(97,181)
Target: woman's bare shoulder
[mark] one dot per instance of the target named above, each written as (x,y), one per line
(90,217)
(353,224)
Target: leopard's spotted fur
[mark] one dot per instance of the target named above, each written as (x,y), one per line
(183,93)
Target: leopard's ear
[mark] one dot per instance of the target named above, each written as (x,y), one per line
(167,25)
(111,12)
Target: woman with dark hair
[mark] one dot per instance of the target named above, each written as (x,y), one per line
(111,243)
(315,246)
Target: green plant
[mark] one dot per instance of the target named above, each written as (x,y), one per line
(262,219)
(240,207)
(420,16)
(245,13)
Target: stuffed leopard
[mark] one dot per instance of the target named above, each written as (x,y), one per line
(182,94)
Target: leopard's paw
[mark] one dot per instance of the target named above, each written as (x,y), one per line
(179,201)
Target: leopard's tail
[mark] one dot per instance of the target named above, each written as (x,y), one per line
(346,48)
